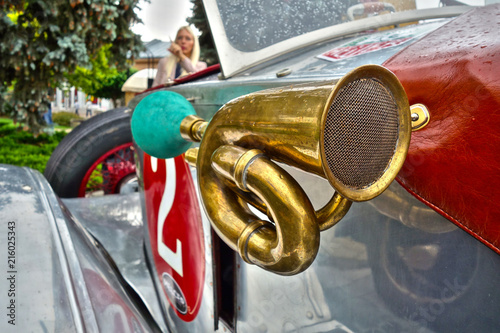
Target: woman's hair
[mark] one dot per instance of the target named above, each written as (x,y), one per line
(195,52)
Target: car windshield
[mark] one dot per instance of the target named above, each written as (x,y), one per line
(251,25)
(251,32)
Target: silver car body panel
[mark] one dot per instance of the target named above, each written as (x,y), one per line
(44,296)
(61,278)
(116,221)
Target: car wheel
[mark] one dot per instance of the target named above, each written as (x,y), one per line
(95,158)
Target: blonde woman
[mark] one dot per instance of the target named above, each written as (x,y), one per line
(184,58)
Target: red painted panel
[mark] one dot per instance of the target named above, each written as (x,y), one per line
(176,233)
(453,163)
(188,78)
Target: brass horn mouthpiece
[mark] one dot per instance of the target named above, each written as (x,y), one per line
(354,132)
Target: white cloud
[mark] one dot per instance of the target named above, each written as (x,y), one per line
(162,18)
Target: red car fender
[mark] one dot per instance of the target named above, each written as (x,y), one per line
(175,233)
(453,163)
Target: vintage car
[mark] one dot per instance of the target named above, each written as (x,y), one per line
(337,172)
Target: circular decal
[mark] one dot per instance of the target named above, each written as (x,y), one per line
(174,293)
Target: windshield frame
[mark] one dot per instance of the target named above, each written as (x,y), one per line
(234,61)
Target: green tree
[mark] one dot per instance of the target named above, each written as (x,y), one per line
(101,79)
(207,46)
(42,40)
(111,86)
(89,78)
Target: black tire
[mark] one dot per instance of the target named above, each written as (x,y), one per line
(83,146)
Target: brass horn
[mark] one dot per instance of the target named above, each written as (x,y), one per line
(355,132)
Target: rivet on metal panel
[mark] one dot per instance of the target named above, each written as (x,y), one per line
(419,116)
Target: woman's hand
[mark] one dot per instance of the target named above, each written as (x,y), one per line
(176,50)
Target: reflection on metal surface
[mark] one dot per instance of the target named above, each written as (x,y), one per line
(456,290)
(354,132)
(367,8)
(420,116)
(400,206)
(193,128)
(116,221)
(422,257)
(408,269)
(284,72)
(130,184)
(74,266)
(27,188)
(42,274)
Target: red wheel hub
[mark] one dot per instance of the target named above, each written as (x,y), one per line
(107,173)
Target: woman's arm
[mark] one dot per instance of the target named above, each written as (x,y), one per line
(189,68)
(161,73)
(200,66)
(187,65)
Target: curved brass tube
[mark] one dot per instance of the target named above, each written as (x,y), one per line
(326,217)
(291,244)
(332,212)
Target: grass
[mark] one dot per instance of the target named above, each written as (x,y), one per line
(64,118)
(21,148)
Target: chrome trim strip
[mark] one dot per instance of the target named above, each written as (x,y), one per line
(79,298)
(234,62)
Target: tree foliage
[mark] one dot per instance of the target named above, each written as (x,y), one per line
(111,86)
(101,79)
(207,47)
(41,40)
(88,78)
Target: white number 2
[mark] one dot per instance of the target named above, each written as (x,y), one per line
(174,259)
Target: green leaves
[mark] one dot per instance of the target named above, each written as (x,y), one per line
(100,78)
(41,41)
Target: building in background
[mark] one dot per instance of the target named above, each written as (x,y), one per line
(155,50)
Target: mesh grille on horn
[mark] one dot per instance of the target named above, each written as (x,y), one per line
(361,133)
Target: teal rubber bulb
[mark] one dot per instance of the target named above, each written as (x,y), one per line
(156,124)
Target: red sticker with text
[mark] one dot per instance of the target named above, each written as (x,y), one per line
(344,52)
(374,42)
